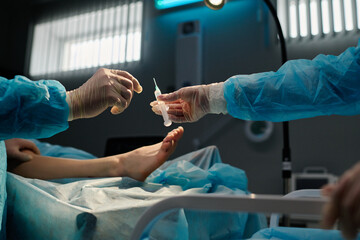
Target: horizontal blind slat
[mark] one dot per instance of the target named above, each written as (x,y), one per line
(96,38)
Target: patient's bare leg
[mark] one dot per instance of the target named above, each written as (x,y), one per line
(140,163)
(137,164)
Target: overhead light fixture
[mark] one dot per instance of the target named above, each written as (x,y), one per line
(215,4)
(164,4)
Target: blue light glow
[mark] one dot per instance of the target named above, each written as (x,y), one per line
(162,4)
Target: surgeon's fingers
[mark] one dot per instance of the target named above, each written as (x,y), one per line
(170,96)
(137,87)
(156,110)
(171,109)
(116,110)
(177,119)
(169,104)
(328,189)
(330,214)
(357,218)
(175,112)
(120,97)
(120,105)
(332,209)
(122,90)
(347,225)
(352,204)
(170,112)
(352,195)
(127,83)
(349,202)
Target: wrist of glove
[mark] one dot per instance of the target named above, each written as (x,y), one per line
(76,107)
(217,102)
(68,101)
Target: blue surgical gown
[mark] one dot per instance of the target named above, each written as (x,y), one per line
(301,88)
(28,109)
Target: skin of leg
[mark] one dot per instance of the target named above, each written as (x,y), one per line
(44,167)
(137,164)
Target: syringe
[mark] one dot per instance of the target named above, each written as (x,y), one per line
(163,107)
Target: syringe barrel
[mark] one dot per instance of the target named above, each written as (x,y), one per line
(164,114)
(167,121)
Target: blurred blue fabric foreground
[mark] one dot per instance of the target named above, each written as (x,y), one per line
(28,110)
(292,233)
(109,208)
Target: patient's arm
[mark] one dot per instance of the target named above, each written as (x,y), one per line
(137,164)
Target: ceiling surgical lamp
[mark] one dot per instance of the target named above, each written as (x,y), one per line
(286,155)
(214,4)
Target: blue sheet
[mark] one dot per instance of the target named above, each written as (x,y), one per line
(291,233)
(108,208)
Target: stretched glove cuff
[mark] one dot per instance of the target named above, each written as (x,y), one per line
(217,102)
(68,100)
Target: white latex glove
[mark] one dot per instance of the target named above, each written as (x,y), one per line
(106,88)
(15,146)
(189,104)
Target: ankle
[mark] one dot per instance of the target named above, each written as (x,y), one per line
(116,166)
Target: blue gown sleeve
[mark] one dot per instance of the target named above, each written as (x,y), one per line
(301,88)
(32,109)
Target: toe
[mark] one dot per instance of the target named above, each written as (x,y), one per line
(179,133)
(166,146)
(170,141)
(169,137)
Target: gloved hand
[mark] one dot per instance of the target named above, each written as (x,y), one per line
(15,146)
(344,203)
(189,104)
(106,88)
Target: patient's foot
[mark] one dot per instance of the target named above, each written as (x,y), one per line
(140,163)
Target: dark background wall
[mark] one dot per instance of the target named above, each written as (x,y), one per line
(235,41)
(14,32)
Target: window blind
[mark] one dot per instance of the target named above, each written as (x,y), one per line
(306,18)
(106,35)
